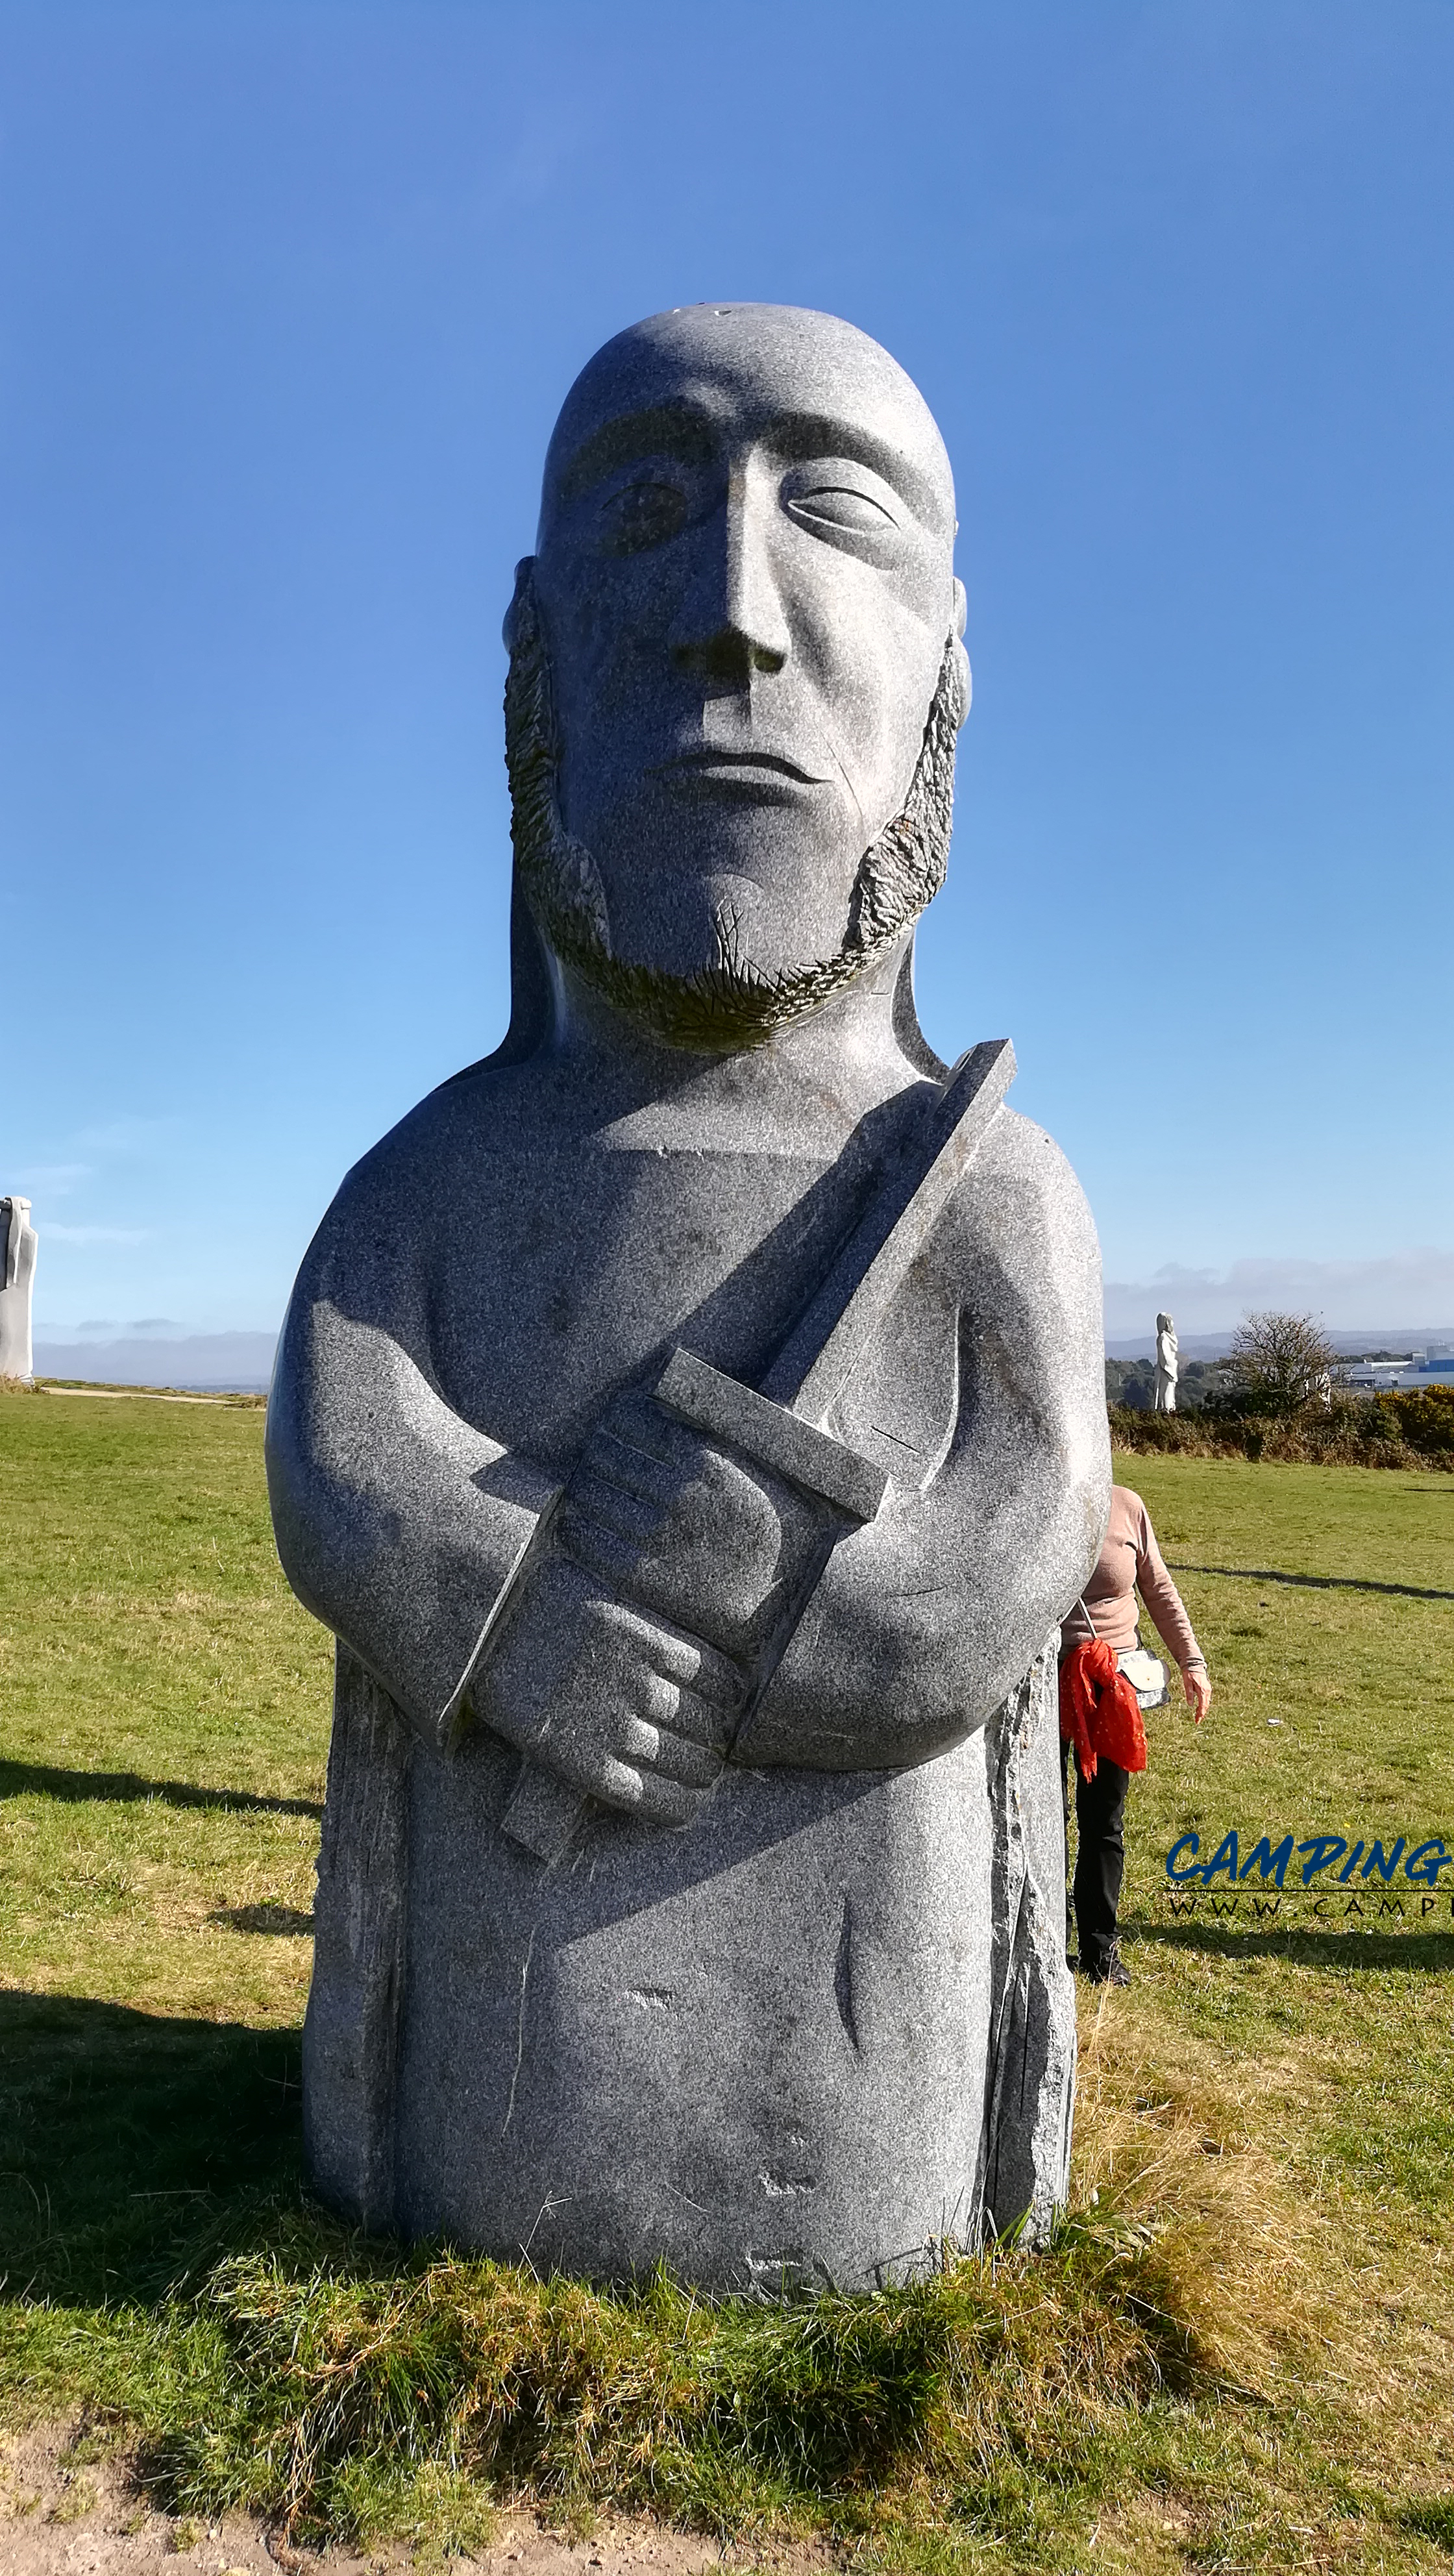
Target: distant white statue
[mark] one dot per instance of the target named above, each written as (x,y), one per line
(1166,1364)
(17,1245)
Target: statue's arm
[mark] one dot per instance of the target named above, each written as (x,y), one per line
(398,1524)
(926,1617)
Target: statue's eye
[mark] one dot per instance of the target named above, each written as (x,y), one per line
(841,509)
(640,514)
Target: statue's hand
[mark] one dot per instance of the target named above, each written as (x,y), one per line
(635,1713)
(674,1525)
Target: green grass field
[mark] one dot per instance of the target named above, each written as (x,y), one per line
(1240,2354)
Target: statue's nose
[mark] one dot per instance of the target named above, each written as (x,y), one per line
(731,624)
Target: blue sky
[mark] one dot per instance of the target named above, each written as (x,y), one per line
(289,296)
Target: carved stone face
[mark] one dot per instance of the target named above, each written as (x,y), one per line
(746,589)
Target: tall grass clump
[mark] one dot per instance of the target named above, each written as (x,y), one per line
(325,2379)
(347,2388)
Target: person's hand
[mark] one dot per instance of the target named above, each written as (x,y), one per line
(635,1713)
(672,1524)
(1196,1683)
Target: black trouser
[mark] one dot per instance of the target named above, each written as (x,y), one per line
(1100,1859)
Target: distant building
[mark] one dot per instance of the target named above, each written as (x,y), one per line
(1433,1367)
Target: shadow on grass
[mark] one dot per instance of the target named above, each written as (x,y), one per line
(1314,1582)
(135,2146)
(38,1780)
(288,1921)
(1426,1953)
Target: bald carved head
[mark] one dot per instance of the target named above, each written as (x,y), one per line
(737,668)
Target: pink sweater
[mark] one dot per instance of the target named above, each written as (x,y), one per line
(1130,1559)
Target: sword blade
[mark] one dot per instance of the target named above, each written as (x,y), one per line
(820,1352)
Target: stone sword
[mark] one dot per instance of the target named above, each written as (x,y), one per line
(779,1425)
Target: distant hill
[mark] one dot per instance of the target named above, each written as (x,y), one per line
(1215,1346)
(244,1361)
(235,1361)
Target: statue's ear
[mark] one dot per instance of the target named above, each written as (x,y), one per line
(961,658)
(524,589)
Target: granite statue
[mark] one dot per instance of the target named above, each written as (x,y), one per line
(690,1419)
(17,1288)
(1167,1368)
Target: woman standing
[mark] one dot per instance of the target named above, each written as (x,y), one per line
(1097,1702)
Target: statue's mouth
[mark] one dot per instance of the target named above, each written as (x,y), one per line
(758,775)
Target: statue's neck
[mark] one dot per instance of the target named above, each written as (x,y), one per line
(813,1079)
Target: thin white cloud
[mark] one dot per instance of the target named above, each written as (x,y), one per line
(128,1135)
(52,1233)
(107,1139)
(1400,1292)
(42,1181)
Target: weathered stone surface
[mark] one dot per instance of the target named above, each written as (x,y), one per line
(786,1998)
(17,1287)
(1030,2091)
(751,2045)
(351,2035)
(942,2071)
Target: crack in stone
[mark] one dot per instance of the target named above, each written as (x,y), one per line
(520,2026)
(843,1977)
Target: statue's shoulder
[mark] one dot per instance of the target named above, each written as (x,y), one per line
(470,1123)
(1037,1265)
(1026,1248)
(461,1144)
(1021,1191)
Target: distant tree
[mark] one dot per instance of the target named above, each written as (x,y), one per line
(1281,1361)
(1131,1383)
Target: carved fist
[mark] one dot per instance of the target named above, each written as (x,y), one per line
(671,1523)
(633,1712)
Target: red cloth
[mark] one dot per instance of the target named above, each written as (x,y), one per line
(1099,1711)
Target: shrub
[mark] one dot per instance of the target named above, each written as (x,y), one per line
(1281,1362)
(1424,1417)
(1415,1430)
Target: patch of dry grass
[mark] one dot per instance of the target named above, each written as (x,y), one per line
(1247,2259)
(1336,2311)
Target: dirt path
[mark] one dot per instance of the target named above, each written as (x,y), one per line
(152,1394)
(65,2513)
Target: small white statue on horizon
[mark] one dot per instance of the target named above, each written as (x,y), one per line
(17,1252)
(1166,1364)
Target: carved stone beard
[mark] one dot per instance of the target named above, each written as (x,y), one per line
(731,1004)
